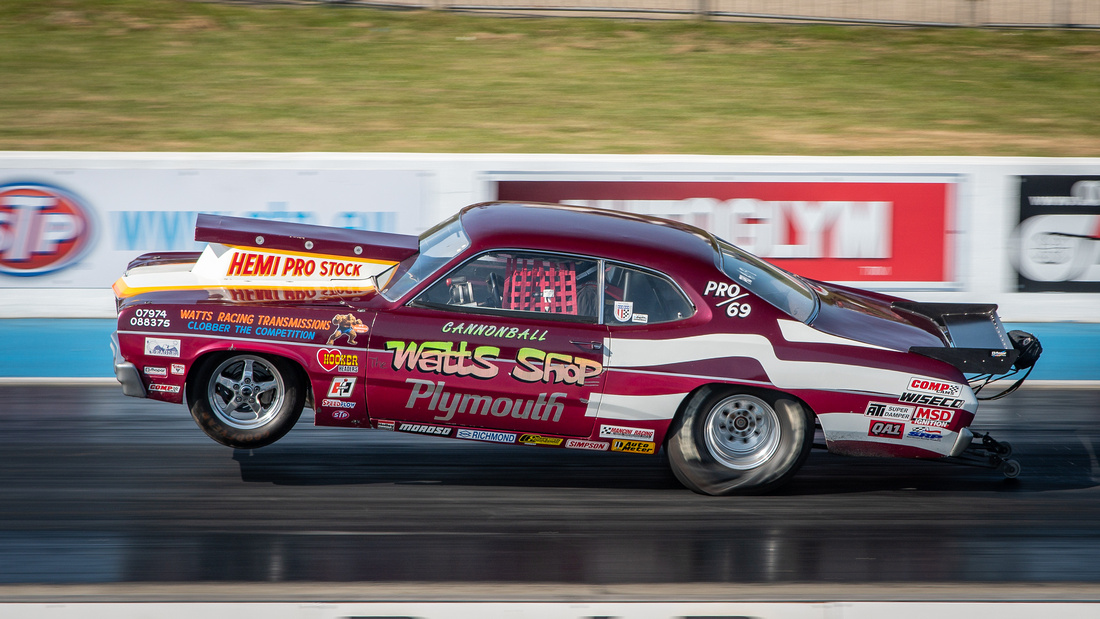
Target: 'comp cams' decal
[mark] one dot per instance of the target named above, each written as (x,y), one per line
(731,292)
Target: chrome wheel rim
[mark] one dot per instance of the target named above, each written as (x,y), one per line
(742,432)
(246,392)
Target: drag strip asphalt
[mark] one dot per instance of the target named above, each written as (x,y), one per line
(101,489)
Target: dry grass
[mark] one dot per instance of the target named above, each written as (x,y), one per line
(167,75)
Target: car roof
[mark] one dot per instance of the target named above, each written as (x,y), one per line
(662,244)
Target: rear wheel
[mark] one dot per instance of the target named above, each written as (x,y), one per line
(729,441)
(246,400)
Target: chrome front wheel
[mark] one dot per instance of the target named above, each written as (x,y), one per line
(246,400)
(246,392)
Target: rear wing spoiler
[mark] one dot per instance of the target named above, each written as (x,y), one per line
(977,341)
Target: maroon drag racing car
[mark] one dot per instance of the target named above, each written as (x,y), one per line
(557,326)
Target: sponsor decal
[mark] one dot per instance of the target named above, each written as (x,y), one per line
(241,323)
(851,228)
(340,414)
(729,293)
(164,388)
(42,229)
(634,447)
(387,425)
(622,432)
(346,325)
(421,428)
(532,364)
(922,385)
(545,407)
(257,264)
(155,371)
(624,310)
(337,403)
(334,359)
(580,443)
(441,358)
(1056,246)
(162,347)
(926,434)
(508,333)
(939,417)
(341,387)
(486,435)
(889,411)
(536,439)
(642,318)
(886,429)
(930,400)
(178,369)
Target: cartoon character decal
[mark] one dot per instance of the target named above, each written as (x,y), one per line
(346,324)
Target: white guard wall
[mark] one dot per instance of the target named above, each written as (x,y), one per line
(928,228)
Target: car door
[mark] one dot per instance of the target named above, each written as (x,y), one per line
(644,383)
(510,340)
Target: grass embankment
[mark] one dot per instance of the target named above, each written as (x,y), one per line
(137,75)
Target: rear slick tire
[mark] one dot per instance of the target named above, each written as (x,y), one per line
(737,441)
(246,400)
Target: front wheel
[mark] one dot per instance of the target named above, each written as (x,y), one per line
(729,441)
(246,400)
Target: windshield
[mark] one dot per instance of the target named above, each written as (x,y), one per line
(437,246)
(776,286)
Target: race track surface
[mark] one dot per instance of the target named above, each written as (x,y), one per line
(96,487)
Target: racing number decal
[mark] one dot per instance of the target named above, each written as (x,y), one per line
(732,292)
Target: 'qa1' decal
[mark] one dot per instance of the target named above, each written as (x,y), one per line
(731,292)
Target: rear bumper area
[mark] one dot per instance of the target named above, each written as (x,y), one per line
(126,373)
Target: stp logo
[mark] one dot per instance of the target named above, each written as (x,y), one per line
(42,229)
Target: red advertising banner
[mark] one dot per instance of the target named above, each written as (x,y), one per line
(832,231)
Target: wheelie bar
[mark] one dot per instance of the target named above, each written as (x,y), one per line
(989,454)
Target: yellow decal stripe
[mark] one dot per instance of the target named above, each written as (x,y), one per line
(123,291)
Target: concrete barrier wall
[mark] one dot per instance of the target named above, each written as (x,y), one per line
(1019,232)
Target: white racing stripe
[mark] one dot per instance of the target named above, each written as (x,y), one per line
(640,407)
(783,374)
(794,331)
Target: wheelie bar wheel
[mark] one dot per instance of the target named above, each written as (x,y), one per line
(1010,469)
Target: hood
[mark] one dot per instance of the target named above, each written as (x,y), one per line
(871,318)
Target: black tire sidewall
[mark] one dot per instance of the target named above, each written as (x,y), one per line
(697,469)
(215,428)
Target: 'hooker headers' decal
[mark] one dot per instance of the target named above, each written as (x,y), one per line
(532,364)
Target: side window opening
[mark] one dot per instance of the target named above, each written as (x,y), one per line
(521,282)
(636,296)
